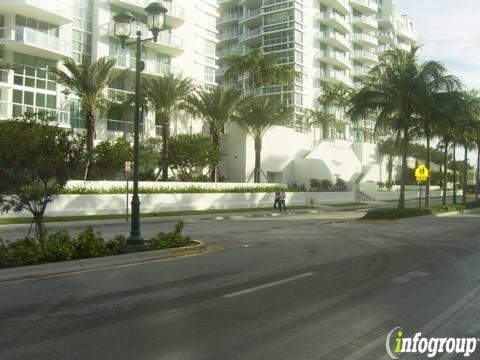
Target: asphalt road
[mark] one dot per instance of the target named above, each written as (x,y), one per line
(290,287)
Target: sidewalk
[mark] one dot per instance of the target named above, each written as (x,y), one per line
(227,215)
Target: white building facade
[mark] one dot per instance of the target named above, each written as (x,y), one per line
(329,42)
(38,34)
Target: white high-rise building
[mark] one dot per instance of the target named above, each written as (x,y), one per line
(38,34)
(329,42)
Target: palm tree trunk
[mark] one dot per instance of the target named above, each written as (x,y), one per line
(477,187)
(258,152)
(454,173)
(90,125)
(216,138)
(390,168)
(465,175)
(445,175)
(401,200)
(165,145)
(427,188)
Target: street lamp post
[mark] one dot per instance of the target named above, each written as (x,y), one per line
(123,27)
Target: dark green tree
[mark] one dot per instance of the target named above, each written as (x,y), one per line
(36,161)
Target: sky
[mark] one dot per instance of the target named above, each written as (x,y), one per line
(449,31)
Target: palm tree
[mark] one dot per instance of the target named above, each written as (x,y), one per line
(396,93)
(450,106)
(321,117)
(257,115)
(335,97)
(262,69)
(389,147)
(216,107)
(88,81)
(167,94)
(437,84)
(466,131)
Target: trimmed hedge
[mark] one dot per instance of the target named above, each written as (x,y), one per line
(391,214)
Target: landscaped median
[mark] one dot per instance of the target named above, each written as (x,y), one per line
(394,214)
(89,250)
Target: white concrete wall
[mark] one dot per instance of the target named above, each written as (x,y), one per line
(76,205)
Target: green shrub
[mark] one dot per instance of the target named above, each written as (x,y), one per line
(90,244)
(6,255)
(117,245)
(22,252)
(59,246)
(169,240)
(395,213)
(472,204)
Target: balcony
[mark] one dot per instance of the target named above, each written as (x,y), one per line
(367,7)
(36,43)
(58,12)
(408,34)
(366,23)
(175,14)
(341,6)
(362,72)
(251,4)
(167,43)
(229,36)
(335,39)
(382,48)
(151,67)
(118,96)
(334,58)
(237,50)
(252,37)
(229,18)
(252,18)
(386,37)
(335,20)
(364,56)
(333,77)
(13,110)
(403,46)
(365,40)
(386,21)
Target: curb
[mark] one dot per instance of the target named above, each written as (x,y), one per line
(450,213)
(73,266)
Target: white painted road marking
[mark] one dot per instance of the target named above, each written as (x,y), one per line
(264,286)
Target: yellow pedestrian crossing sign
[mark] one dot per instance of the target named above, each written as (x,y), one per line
(421,173)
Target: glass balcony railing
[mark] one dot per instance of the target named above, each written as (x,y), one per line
(163,37)
(20,34)
(151,67)
(61,117)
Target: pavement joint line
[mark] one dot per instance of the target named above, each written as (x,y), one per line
(268,285)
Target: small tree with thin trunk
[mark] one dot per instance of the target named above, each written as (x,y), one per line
(36,161)
(390,148)
(257,115)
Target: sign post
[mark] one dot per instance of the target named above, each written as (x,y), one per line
(421,174)
(128,169)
